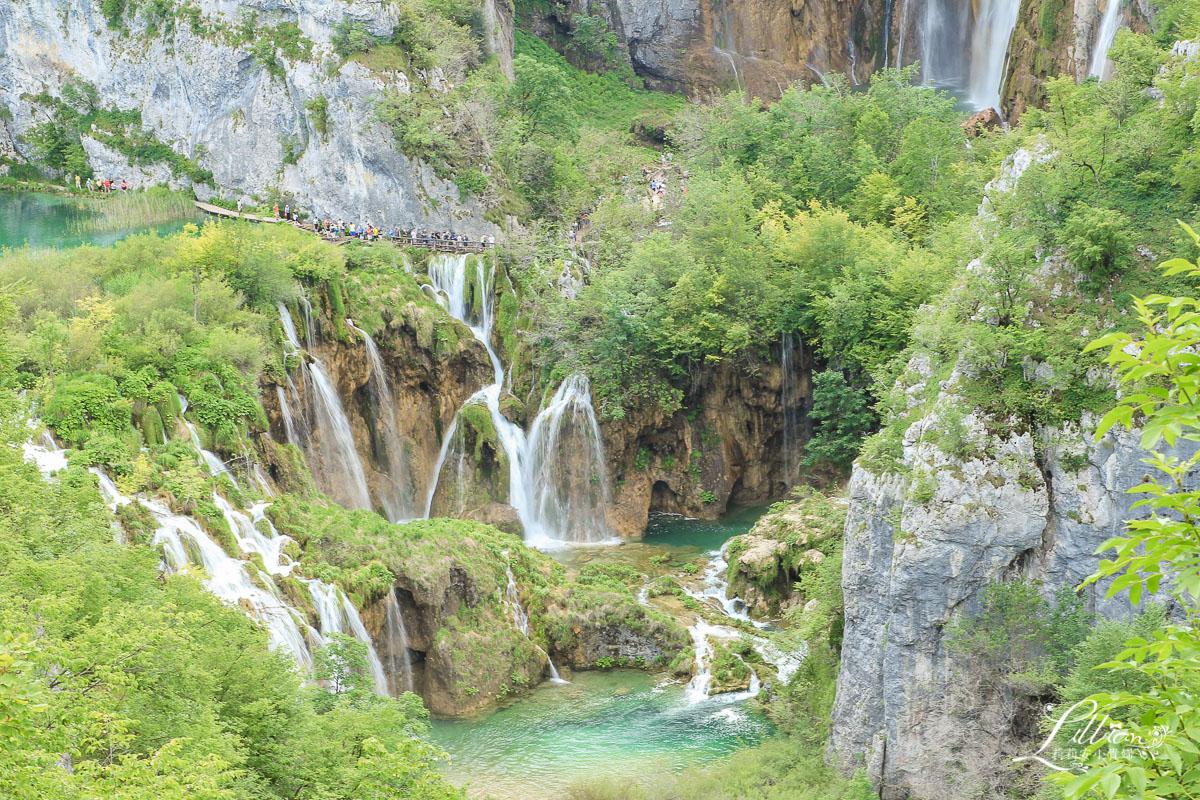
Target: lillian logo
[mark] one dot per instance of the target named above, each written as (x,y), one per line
(1057,751)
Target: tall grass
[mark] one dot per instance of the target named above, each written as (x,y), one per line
(123,210)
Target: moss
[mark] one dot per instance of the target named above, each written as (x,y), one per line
(150,423)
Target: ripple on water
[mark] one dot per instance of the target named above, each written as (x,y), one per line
(613,724)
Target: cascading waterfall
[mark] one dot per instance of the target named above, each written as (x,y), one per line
(335,461)
(566,470)
(216,466)
(397,639)
(1109,24)
(520,618)
(989,50)
(397,499)
(185,543)
(550,512)
(790,401)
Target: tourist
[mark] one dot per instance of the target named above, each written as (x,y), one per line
(240,202)
(275,210)
(77,181)
(124,186)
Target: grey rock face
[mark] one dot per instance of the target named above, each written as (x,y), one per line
(1004,509)
(211,100)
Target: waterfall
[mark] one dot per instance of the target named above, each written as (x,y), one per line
(566,469)
(397,638)
(790,401)
(697,688)
(453,453)
(989,50)
(185,543)
(549,513)
(338,615)
(334,461)
(887,30)
(397,498)
(289,422)
(216,467)
(520,618)
(944,34)
(1109,24)
(853,54)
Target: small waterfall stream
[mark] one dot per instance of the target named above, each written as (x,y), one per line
(338,615)
(216,466)
(553,453)
(397,500)
(790,401)
(520,618)
(397,638)
(1109,23)
(334,460)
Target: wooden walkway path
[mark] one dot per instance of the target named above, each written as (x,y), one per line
(423,242)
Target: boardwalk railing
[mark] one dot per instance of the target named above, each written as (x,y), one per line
(424,242)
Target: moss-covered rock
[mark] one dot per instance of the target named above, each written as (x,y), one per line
(765,563)
(450,581)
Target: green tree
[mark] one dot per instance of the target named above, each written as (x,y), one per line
(841,418)
(1161,703)
(1097,242)
(539,94)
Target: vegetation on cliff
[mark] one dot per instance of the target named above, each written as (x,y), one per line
(97,696)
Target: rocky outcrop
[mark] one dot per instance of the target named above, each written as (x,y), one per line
(215,101)
(756,46)
(765,563)
(922,541)
(727,445)
(1057,38)
(433,366)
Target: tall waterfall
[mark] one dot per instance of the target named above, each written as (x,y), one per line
(989,50)
(333,459)
(557,479)
(1109,24)
(397,497)
(400,668)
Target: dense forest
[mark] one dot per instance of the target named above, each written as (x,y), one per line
(957,291)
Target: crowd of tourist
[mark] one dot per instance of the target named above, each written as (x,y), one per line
(335,229)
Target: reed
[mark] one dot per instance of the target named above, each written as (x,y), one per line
(122,210)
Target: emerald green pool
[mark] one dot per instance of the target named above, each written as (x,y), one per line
(42,220)
(681,539)
(612,726)
(606,726)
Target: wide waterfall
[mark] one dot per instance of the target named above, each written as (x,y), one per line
(557,478)
(1109,24)
(397,496)
(566,470)
(333,459)
(962,46)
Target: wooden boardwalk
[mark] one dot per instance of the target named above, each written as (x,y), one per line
(423,242)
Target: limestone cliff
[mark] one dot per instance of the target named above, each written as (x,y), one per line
(756,46)
(1052,38)
(922,539)
(239,109)
(727,445)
